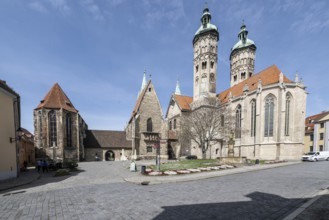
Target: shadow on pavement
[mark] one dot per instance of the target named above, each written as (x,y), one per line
(261,206)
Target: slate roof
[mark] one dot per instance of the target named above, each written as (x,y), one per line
(56,99)
(106,139)
(270,75)
(309,121)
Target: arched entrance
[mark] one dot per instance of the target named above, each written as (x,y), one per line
(109,155)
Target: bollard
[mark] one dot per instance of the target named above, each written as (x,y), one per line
(143,169)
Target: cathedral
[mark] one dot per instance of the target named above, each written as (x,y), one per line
(263,112)
(259,116)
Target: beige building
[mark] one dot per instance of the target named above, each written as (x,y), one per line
(317,132)
(9,131)
(266,110)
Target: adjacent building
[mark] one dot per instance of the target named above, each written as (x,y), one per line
(59,129)
(27,149)
(9,131)
(317,132)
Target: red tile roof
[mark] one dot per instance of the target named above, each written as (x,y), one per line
(309,121)
(270,75)
(56,99)
(184,102)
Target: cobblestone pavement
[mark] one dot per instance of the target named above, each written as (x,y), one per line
(100,193)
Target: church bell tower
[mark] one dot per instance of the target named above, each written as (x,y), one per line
(205,58)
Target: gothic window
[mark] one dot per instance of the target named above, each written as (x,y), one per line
(149,125)
(243,75)
(40,129)
(212,77)
(212,64)
(68,130)
(170,125)
(238,122)
(52,129)
(222,120)
(287,115)
(204,65)
(235,78)
(253,118)
(196,68)
(269,116)
(175,124)
(250,74)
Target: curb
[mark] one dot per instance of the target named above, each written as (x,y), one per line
(205,175)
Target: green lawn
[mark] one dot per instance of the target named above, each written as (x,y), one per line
(186,164)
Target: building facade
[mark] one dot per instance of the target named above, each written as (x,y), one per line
(145,126)
(27,149)
(264,111)
(317,132)
(9,131)
(59,129)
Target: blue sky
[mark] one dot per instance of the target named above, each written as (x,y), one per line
(97,50)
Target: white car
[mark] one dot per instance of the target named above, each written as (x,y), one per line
(316,156)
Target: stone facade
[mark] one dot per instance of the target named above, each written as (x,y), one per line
(146,125)
(59,129)
(265,111)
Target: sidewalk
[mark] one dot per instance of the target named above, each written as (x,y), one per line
(23,179)
(315,208)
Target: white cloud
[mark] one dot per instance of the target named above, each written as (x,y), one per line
(315,18)
(93,8)
(37,6)
(156,11)
(61,5)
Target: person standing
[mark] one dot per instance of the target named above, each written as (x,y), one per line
(39,164)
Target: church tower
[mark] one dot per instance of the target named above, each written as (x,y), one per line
(242,58)
(205,58)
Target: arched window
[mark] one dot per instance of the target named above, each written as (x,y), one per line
(287,115)
(149,125)
(253,118)
(238,122)
(175,123)
(52,129)
(269,116)
(68,130)
(222,120)
(40,129)
(170,125)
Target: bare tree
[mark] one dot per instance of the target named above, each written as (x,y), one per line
(205,124)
